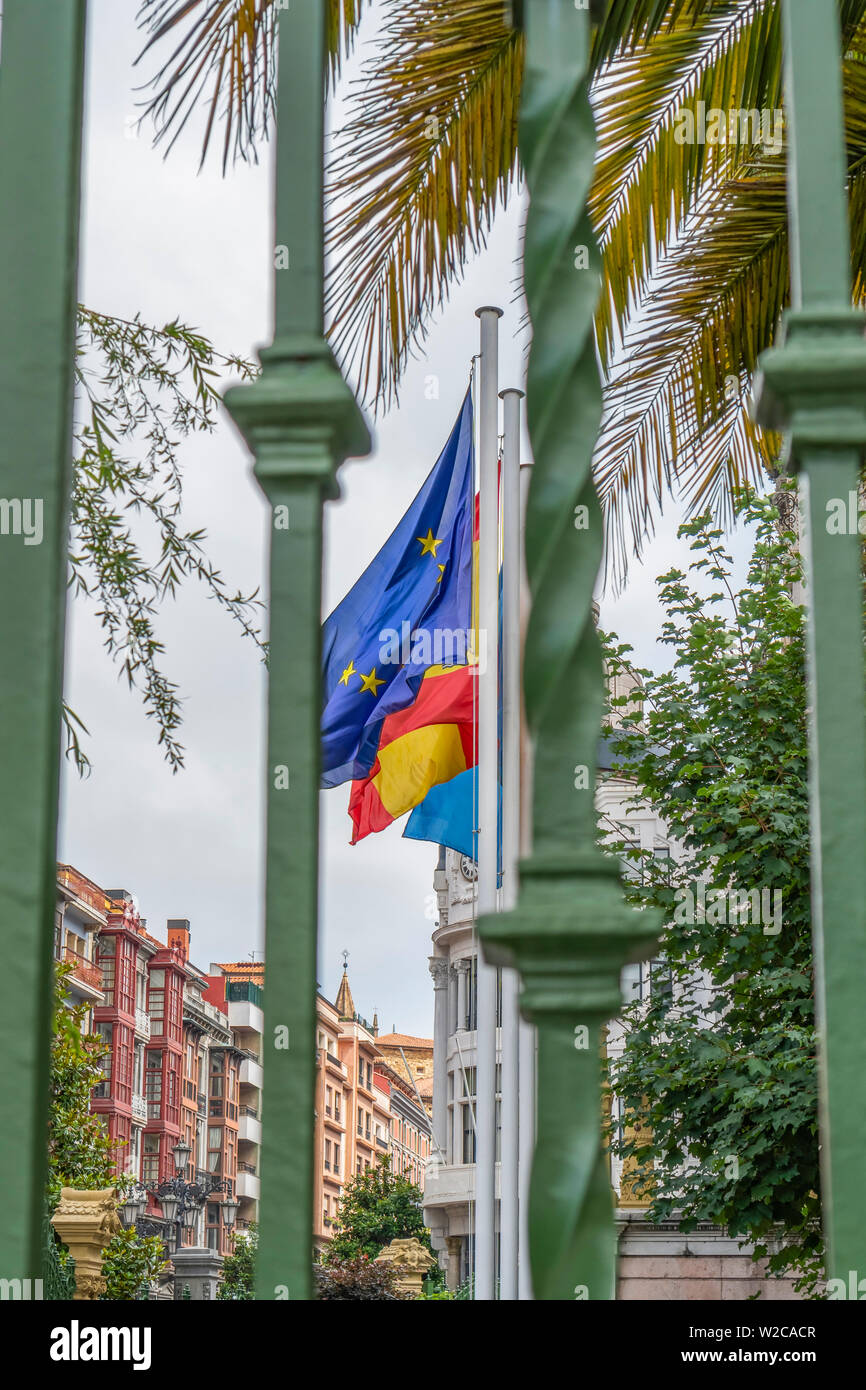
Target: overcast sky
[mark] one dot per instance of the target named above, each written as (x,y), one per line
(163,241)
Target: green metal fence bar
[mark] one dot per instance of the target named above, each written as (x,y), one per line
(41,76)
(301,421)
(571,931)
(814,385)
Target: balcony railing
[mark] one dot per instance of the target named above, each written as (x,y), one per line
(247,1168)
(245,992)
(249,1110)
(201,1103)
(139,1107)
(84,890)
(84,970)
(142,1023)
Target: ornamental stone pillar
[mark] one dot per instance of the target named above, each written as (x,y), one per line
(462,970)
(85,1222)
(412,1261)
(439,969)
(197,1269)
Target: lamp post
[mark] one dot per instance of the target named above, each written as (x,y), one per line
(181,1201)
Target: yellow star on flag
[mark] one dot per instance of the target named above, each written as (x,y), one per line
(429,543)
(441,573)
(349,671)
(371,682)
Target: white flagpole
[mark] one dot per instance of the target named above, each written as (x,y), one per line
(488,799)
(527,1037)
(509,1140)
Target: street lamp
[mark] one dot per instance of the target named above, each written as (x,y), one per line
(181,1153)
(181,1202)
(229,1206)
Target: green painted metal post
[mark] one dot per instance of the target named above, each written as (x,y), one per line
(41,78)
(300,420)
(814,386)
(571,931)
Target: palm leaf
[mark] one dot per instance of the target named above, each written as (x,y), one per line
(647,182)
(224,56)
(675,416)
(416,176)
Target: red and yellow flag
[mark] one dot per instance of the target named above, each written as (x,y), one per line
(430,742)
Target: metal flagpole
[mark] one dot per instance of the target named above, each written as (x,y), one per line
(488,799)
(509,1141)
(527,1042)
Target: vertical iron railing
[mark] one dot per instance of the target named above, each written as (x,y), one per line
(571,931)
(41,81)
(814,386)
(300,420)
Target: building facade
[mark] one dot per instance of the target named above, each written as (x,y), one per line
(173,1066)
(366,1109)
(239,987)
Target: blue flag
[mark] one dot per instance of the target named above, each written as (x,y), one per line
(411,609)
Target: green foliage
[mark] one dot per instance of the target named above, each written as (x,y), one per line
(723,1074)
(376,1207)
(140,391)
(79,1149)
(80,1154)
(239,1269)
(130,1263)
(358,1278)
(435,1293)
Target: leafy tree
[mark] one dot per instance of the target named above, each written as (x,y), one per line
(358,1278)
(79,1149)
(239,1269)
(130,1264)
(718,1076)
(139,391)
(80,1152)
(376,1207)
(693,233)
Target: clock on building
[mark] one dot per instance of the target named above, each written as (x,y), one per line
(468,867)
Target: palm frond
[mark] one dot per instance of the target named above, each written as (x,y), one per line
(675,409)
(224,56)
(648,177)
(416,176)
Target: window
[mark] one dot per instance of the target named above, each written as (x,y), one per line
(327,1155)
(141,982)
(468,1134)
(102,1089)
(337,1158)
(153,1085)
(133,1153)
(157,1002)
(107,949)
(472,995)
(214,1148)
(150,1158)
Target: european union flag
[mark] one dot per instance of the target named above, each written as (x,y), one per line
(411,609)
